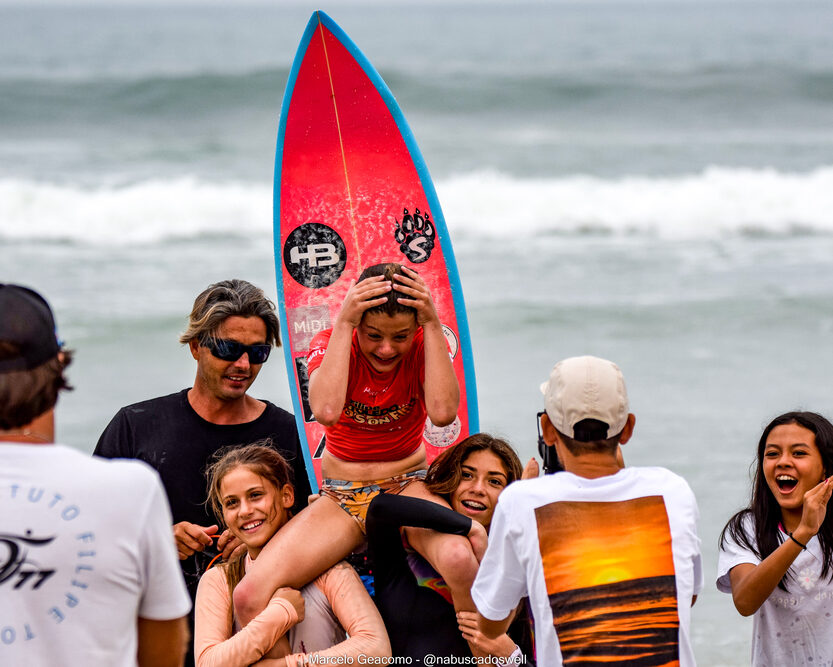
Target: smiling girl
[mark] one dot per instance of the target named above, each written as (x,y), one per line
(413,598)
(251,494)
(776,556)
(373,379)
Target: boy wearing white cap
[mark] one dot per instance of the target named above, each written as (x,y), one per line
(609,556)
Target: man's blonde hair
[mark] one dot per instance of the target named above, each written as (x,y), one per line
(230,298)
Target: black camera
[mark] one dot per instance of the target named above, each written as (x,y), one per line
(549,459)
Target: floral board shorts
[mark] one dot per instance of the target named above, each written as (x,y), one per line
(354,497)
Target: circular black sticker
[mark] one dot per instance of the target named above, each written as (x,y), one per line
(314,255)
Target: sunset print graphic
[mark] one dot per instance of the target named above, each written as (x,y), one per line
(609,572)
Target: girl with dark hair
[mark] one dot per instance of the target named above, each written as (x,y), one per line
(374,379)
(412,597)
(250,491)
(776,556)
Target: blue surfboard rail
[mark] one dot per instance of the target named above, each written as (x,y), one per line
(297,408)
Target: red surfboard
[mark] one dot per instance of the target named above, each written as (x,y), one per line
(352,190)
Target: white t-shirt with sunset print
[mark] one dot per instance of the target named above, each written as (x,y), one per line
(610,565)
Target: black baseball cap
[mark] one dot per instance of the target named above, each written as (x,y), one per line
(26,321)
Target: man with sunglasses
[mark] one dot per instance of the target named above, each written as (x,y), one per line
(232,329)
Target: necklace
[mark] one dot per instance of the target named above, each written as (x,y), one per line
(24,435)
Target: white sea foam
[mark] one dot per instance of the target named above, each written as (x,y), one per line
(717,203)
(143,213)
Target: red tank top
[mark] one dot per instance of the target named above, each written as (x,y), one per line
(384,413)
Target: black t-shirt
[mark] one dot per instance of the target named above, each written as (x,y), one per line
(171,437)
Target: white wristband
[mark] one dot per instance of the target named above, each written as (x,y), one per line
(514,658)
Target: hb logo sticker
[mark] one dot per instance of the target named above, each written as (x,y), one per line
(314,255)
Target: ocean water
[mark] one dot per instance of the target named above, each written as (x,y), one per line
(645,181)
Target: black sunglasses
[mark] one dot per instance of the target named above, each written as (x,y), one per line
(231,350)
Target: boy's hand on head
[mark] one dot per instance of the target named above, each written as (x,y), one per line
(417,295)
(360,297)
